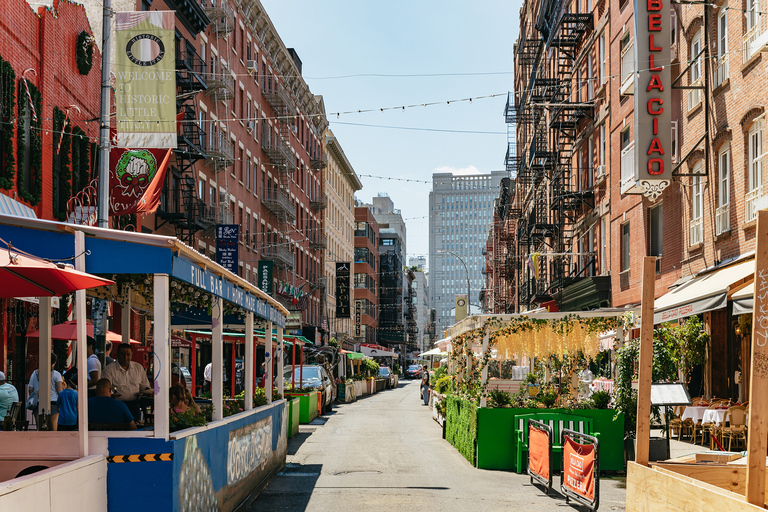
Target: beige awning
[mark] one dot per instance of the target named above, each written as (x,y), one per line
(701,294)
(743,300)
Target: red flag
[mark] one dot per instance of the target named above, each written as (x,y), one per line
(136,178)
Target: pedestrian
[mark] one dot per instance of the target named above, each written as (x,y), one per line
(425,385)
(67,403)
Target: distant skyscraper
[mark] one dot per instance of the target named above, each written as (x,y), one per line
(460,211)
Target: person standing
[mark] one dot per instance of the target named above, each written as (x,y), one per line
(57,384)
(425,385)
(8,396)
(94,365)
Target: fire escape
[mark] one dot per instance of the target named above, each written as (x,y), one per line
(550,114)
(180,204)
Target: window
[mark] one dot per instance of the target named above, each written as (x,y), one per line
(657,235)
(627,64)
(674,142)
(694,95)
(602,58)
(723,213)
(625,245)
(247,172)
(627,158)
(590,159)
(721,65)
(697,207)
(755,169)
(603,245)
(602,148)
(590,84)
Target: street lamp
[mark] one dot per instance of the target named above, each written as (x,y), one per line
(469,302)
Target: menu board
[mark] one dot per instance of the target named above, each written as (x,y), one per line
(670,393)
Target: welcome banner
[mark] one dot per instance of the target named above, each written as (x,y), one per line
(145,88)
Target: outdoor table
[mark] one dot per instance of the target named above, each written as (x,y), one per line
(716,416)
(695,413)
(603,385)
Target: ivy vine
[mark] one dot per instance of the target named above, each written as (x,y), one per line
(81,161)
(7,105)
(84,52)
(31,192)
(62,188)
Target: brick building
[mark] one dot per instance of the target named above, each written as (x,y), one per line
(576,201)
(43,159)
(250,146)
(366,280)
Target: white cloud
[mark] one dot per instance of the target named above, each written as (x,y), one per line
(463,171)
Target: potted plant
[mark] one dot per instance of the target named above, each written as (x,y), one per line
(533,384)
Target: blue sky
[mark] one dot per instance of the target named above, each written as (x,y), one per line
(469,43)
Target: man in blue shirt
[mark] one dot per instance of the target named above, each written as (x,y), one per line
(104,410)
(8,395)
(67,403)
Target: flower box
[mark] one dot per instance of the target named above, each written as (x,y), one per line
(307,405)
(360,387)
(293,405)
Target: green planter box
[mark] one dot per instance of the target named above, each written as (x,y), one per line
(293,406)
(307,405)
(496,438)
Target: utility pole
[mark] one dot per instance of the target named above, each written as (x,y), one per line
(104,142)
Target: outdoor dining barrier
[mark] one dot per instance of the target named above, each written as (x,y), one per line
(580,477)
(540,453)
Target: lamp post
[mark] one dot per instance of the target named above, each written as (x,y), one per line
(469,302)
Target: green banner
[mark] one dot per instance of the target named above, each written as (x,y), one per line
(145,88)
(264,279)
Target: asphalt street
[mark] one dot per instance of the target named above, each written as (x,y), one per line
(385,452)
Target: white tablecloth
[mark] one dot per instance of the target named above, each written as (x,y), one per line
(716,416)
(694,413)
(603,385)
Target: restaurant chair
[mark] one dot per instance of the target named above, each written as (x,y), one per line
(15,423)
(709,428)
(736,428)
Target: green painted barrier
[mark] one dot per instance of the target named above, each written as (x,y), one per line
(496,437)
(293,406)
(307,405)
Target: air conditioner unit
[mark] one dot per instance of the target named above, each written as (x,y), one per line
(224,198)
(600,171)
(253,66)
(249,127)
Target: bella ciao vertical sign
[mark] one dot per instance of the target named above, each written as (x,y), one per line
(653,97)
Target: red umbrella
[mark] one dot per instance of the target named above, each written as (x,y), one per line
(24,275)
(67,331)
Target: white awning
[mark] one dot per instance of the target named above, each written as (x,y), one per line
(375,352)
(9,206)
(434,352)
(701,294)
(743,300)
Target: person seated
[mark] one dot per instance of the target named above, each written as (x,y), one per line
(188,397)
(104,411)
(178,399)
(130,380)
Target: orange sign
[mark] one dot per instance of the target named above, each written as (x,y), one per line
(538,452)
(579,468)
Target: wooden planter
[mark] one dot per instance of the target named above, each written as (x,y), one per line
(360,387)
(346,393)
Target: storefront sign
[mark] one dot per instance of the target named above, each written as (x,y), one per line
(342,289)
(145,86)
(653,96)
(265,276)
(227,236)
(293,321)
(579,468)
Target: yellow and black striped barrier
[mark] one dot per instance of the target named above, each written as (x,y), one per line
(144,457)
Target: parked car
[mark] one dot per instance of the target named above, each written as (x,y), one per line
(413,371)
(312,376)
(386,373)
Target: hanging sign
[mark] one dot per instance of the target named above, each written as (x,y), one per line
(145,85)
(653,96)
(461,307)
(265,276)
(358,317)
(136,178)
(227,245)
(342,289)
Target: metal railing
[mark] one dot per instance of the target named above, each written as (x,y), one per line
(221,85)
(750,211)
(220,151)
(280,254)
(749,48)
(222,17)
(278,202)
(697,231)
(317,241)
(278,151)
(723,219)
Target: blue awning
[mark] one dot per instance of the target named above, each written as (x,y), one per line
(13,208)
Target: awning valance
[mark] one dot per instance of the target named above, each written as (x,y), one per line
(9,206)
(701,294)
(376,352)
(743,300)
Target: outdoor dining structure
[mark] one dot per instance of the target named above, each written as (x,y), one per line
(215,466)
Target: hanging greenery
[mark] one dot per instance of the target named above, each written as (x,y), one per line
(62,188)
(31,192)
(7,105)
(84,52)
(81,161)
(687,344)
